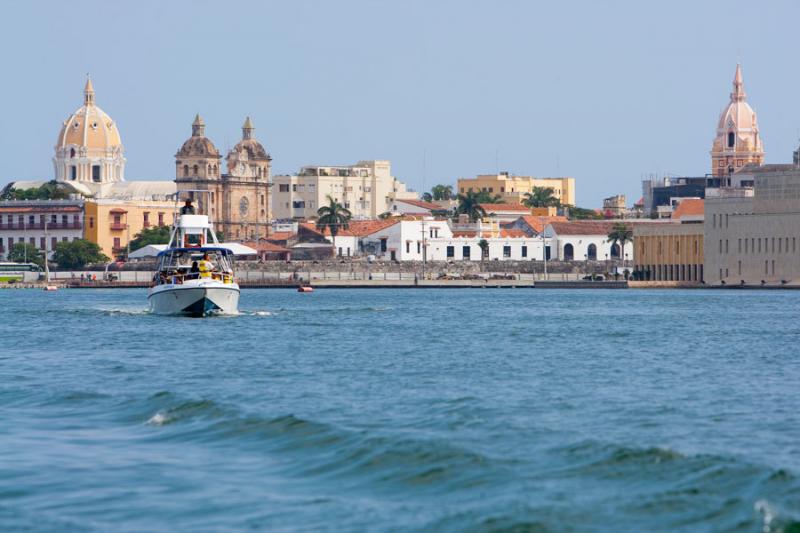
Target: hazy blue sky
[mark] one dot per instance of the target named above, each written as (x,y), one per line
(604,93)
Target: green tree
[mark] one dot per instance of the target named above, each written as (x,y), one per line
(23,252)
(156,235)
(620,234)
(427,197)
(77,254)
(52,190)
(470,202)
(483,244)
(442,192)
(333,216)
(579,213)
(541,197)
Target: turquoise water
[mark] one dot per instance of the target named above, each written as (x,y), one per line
(443,410)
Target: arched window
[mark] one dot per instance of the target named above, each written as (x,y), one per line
(731,139)
(591,252)
(615,251)
(569,252)
(209,170)
(195,169)
(215,170)
(185,170)
(72,152)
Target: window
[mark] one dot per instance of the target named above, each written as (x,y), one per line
(383,245)
(714,221)
(506,251)
(53,242)
(185,170)
(340,251)
(294,189)
(298,204)
(419,247)
(73,172)
(408,247)
(451,252)
(64,239)
(117,243)
(745,246)
(739,250)
(41,243)
(465,251)
(731,139)
(740,268)
(91,222)
(146,217)
(161,219)
(524,251)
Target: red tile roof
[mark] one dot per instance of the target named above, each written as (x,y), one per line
(281,235)
(266,247)
(512,233)
(493,208)
(357,228)
(538,224)
(689,207)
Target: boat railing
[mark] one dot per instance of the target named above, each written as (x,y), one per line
(178,278)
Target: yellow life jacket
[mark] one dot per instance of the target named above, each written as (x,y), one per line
(205,268)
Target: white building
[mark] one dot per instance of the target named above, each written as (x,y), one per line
(582,240)
(434,240)
(367,189)
(40,223)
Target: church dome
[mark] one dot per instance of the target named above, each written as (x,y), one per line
(739,118)
(249,144)
(89,127)
(198,144)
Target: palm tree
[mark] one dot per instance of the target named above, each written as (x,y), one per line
(620,234)
(541,197)
(442,192)
(483,244)
(469,204)
(333,216)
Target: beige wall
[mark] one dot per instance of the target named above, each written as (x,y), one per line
(513,188)
(755,238)
(669,251)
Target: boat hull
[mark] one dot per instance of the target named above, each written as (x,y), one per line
(201,298)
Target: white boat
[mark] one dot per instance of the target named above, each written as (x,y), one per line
(194,275)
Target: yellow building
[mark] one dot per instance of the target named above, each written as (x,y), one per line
(512,189)
(113,223)
(671,251)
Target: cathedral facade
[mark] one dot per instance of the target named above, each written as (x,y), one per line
(237,201)
(738,141)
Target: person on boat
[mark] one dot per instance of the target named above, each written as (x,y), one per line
(188,208)
(205,266)
(194,271)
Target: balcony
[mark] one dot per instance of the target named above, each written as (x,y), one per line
(117,226)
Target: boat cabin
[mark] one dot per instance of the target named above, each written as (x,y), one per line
(178,265)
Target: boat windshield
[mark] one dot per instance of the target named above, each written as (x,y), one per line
(177,265)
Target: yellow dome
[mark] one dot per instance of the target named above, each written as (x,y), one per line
(89,127)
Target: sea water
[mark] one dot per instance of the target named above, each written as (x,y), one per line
(381,409)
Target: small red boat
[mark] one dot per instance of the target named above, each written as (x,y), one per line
(305,289)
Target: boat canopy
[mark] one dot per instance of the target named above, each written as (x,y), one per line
(196,250)
(152,250)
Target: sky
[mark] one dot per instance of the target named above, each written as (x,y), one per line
(606,92)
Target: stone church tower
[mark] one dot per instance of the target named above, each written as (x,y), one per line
(738,141)
(238,202)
